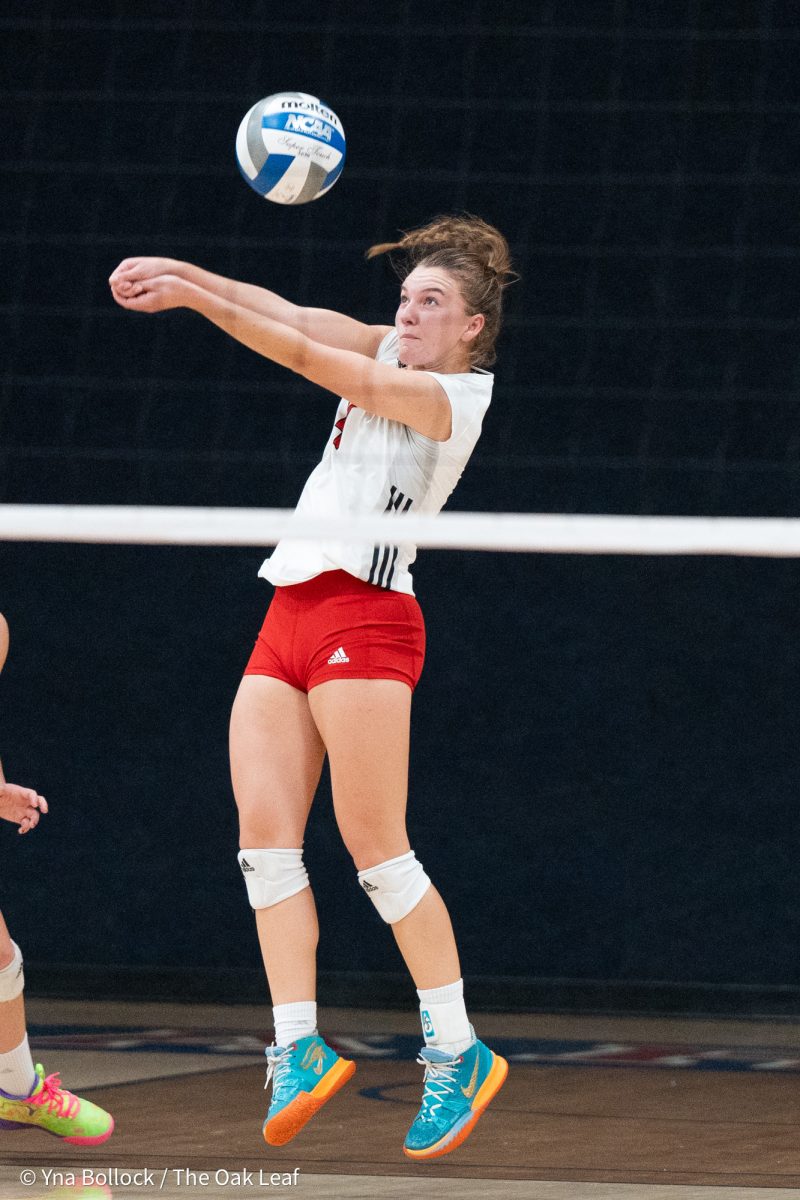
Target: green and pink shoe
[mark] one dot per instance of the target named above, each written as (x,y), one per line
(55,1110)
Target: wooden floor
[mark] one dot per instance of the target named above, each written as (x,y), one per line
(553,1133)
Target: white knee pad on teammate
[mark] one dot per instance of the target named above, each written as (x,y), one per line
(395,887)
(12,979)
(272,875)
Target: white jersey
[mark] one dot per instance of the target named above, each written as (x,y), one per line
(375,465)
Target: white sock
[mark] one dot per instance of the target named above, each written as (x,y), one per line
(445,1024)
(17,1074)
(294,1021)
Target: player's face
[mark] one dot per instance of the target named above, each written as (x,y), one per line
(432,324)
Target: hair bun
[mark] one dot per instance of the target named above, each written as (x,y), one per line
(465,232)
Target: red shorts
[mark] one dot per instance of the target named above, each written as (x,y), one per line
(338,627)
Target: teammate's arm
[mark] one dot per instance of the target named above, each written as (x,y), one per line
(323,325)
(17,804)
(413,397)
(3,640)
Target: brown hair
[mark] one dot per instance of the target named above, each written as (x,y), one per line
(474,252)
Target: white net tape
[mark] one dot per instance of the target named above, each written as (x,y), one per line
(771,537)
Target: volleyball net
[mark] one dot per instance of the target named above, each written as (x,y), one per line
(614,735)
(555,533)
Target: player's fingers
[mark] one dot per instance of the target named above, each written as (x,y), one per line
(136,269)
(41,804)
(127,264)
(122,298)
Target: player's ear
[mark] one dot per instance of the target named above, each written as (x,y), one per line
(476,324)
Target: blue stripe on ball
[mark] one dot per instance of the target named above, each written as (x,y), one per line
(280,120)
(271,173)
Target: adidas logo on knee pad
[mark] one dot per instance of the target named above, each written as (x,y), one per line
(271,876)
(368,887)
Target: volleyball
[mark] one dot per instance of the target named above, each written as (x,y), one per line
(290,148)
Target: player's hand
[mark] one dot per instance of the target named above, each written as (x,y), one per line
(134,270)
(22,806)
(151,295)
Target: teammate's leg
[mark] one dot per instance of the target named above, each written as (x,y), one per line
(276,761)
(28,1099)
(365,725)
(17,1074)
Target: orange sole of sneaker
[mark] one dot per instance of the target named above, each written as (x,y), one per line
(486,1093)
(290,1120)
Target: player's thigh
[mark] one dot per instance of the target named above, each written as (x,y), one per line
(276,761)
(365,726)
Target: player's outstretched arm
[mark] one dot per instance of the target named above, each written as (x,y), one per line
(412,397)
(321,324)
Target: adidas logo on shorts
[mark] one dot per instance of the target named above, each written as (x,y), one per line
(368,887)
(338,656)
(245,865)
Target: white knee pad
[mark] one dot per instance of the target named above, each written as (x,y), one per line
(272,875)
(12,980)
(395,887)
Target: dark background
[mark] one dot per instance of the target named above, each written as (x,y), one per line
(605,765)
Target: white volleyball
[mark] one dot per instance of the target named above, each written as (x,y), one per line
(290,148)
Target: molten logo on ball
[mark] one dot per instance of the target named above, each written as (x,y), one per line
(290,148)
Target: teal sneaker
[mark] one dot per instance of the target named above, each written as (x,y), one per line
(304,1076)
(55,1110)
(457,1090)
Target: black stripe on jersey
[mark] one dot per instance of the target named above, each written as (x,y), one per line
(390,576)
(396,499)
(381,553)
(375,554)
(384,561)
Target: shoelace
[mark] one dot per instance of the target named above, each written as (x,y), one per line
(440,1080)
(58,1099)
(278,1070)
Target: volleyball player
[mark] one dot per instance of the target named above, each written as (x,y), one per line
(28,1098)
(342,646)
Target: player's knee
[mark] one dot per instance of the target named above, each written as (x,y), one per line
(272,875)
(12,979)
(395,887)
